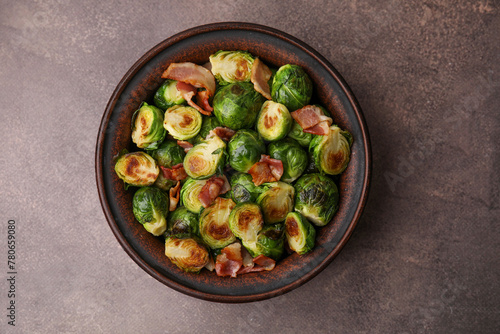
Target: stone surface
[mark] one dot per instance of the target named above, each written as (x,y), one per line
(424,257)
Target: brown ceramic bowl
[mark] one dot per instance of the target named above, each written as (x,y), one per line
(139,84)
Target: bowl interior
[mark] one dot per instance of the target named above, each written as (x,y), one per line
(139,84)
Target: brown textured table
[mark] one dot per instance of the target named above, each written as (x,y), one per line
(425,255)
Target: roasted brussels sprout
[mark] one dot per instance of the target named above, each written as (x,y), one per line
(182,122)
(245,149)
(231,66)
(186,253)
(243,189)
(137,169)
(276,201)
(300,234)
(147,127)
(167,155)
(168,95)
(311,166)
(205,158)
(297,133)
(189,194)
(316,198)
(292,87)
(332,152)
(274,121)
(270,241)
(150,207)
(246,222)
(182,221)
(214,223)
(236,105)
(293,157)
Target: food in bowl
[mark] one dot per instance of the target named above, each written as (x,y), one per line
(235,171)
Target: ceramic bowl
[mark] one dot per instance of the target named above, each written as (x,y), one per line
(275,48)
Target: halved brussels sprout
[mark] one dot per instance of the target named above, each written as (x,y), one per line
(245,222)
(182,221)
(186,253)
(276,201)
(236,105)
(297,133)
(316,198)
(214,223)
(209,123)
(168,95)
(205,158)
(293,157)
(182,122)
(231,66)
(167,155)
(292,87)
(332,152)
(189,194)
(147,127)
(150,207)
(137,169)
(243,189)
(270,241)
(274,121)
(300,234)
(245,149)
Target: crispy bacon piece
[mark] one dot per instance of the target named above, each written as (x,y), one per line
(174,196)
(260,263)
(185,145)
(261,173)
(192,74)
(224,133)
(260,77)
(188,91)
(229,261)
(266,170)
(312,120)
(215,186)
(175,173)
(202,100)
(321,128)
(265,262)
(275,165)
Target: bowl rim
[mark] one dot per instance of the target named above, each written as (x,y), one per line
(110,107)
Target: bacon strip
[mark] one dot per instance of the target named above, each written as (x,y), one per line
(202,99)
(312,120)
(192,74)
(266,170)
(229,261)
(275,165)
(185,145)
(214,187)
(175,173)
(224,133)
(260,77)
(260,263)
(188,91)
(174,196)
(321,128)
(265,262)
